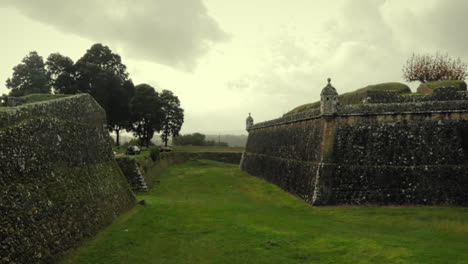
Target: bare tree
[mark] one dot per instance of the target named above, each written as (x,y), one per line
(428,67)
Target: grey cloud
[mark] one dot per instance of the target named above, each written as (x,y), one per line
(359,51)
(171,32)
(432,25)
(239,84)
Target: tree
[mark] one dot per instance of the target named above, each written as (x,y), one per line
(427,67)
(101,73)
(173,115)
(103,58)
(97,59)
(62,72)
(195,139)
(29,76)
(119,115)
(146,111)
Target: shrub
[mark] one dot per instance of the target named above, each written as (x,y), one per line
(154,153)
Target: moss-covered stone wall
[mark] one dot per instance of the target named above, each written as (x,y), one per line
(401,159)
(132,172)
(286,154)
(59,182)
(394,153)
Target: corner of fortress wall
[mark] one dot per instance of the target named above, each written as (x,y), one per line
(402,151)
(59,182)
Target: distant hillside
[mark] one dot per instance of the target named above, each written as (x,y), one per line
(357,96)
(232,140)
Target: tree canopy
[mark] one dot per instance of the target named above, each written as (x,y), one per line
(29,76)
(438,67)
(61,70)
(101,73)
(147,114)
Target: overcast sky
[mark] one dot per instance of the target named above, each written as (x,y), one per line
(225,59)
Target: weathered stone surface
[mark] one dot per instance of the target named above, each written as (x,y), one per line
(59,182)
(133,174)
(408,151)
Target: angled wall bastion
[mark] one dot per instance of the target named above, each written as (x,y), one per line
(392,149)
(59,181)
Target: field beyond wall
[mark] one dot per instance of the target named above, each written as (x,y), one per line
(210,212)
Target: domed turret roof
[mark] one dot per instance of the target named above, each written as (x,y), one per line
(249,118)
(329,89)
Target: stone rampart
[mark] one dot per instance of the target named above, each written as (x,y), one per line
(383,153)
(59,182)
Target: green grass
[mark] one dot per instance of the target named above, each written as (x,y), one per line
(356,97)
(33,98)
(210,212)
(447,83)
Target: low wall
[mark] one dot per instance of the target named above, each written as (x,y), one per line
(59,181)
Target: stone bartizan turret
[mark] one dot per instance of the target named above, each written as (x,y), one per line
(328,100)
(249,122)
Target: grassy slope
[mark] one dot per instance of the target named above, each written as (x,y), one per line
(209,212)
(447,83)
(356,97)
(33,98)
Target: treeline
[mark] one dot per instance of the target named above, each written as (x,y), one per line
(232,140)
(138,109)
(196,139)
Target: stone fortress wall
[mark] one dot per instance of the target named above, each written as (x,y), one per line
(392,149)
(59,181)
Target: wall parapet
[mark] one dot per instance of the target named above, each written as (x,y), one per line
(297,117)
(420,107)
(404,108)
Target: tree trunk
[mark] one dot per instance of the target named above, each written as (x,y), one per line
(117,137)
(166,137)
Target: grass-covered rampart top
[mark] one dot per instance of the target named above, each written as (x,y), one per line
(77,108)
(33,98)
(357,96)
(447,83)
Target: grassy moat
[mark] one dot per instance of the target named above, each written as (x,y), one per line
(211,212)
